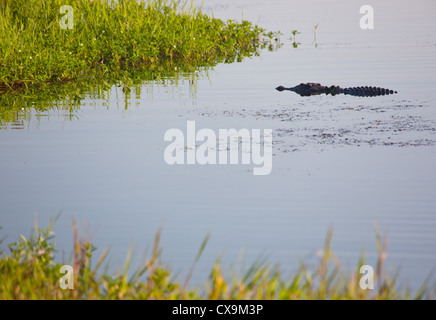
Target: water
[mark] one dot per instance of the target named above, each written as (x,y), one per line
(343,162)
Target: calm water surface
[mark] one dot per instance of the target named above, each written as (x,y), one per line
(343,162)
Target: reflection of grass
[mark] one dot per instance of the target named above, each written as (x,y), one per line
(30,272)
(315,27)
(109,37)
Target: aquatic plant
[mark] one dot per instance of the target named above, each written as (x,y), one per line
(294,33)
(43,43)
(314,32)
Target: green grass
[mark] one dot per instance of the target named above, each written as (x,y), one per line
(108,39)
(129,43)
(30,271)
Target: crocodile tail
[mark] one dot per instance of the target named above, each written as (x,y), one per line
(368,91)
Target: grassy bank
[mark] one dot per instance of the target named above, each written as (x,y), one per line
(111,39)
(29,271)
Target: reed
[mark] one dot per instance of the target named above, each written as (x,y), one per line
(30,271)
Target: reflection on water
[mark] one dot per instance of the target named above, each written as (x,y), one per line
(17,111)
(17,117)
(13,119)
(67,97)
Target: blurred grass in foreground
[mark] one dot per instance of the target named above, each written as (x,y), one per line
(30,272)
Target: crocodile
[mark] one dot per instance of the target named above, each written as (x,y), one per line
(310,89)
